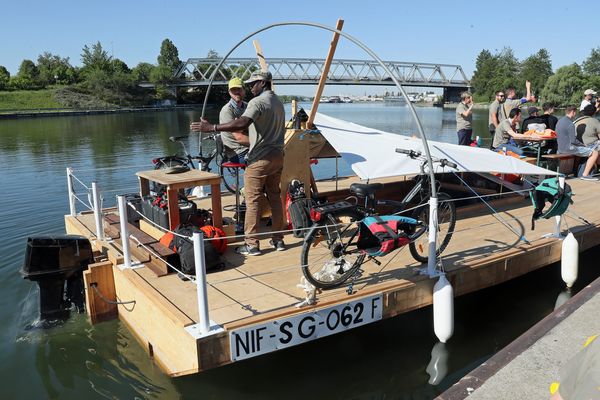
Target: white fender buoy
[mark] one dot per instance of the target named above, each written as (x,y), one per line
(438,366)
(569,260)
(443,309)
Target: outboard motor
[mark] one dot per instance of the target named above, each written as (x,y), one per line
(57,263)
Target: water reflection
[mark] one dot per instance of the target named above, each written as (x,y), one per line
(438,366)
(563,297)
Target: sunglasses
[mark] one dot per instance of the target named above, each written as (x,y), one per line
(500,95)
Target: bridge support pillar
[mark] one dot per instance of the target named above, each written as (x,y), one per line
(452,94)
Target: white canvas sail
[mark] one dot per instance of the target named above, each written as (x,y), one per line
(372,153)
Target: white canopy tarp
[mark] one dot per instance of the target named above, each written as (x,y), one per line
(372,153)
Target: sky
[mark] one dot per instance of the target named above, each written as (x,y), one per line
(434,31)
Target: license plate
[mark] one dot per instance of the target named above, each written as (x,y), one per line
(279,334)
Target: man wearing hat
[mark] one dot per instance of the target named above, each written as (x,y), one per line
(588,95)
(236,143)
(264,159)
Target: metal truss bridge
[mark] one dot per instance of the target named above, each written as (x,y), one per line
(302,71)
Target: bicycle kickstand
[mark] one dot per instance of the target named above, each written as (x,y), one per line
(350,288)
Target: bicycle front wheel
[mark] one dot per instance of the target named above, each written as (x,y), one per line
(446,210)
(228,177)
(329,254)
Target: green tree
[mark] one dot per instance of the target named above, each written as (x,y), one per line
(141,72)
(507,70)
(482,77)
(4,77)
(117,65)
(565,86)
(169,56)
(537,68)
(54,69)
(95,58)
(27,77)
(591,65)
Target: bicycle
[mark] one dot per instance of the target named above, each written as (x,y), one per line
(185,161)
(334,248)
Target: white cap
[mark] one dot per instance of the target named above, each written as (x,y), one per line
(589,91)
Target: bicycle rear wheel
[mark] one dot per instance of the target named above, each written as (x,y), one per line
(419,248)
(329,254)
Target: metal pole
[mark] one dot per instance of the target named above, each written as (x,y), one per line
(199,261)
(97,211)
(72,208)
(433,223)
(122,202)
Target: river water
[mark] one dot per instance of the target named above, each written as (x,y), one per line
(76,360)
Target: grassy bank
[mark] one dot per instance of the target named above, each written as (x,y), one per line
(28,100)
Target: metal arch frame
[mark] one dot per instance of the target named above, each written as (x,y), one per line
(344,71)
(433,201)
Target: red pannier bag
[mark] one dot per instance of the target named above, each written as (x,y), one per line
(379,235)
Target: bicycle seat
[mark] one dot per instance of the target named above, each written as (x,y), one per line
(365,189)
(176,169)
(230,164)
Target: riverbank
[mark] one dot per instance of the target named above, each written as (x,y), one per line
(56,112)
(526,368)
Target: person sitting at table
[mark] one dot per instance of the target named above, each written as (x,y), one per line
(506,134)
(587,129)
(568,143)
(532,118)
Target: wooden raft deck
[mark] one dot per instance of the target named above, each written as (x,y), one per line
(252,290)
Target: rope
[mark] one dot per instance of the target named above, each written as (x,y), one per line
(95,286)
(82,202)
(521,237)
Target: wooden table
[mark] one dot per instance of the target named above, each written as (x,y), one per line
(536,144)
(183,180)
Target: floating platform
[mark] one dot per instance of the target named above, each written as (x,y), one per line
(253,301)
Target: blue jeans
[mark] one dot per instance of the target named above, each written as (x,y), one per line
(464,137)
(509,147)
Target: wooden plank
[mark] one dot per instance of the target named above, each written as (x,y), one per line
(296,162)
(261,59)
(100,288)
(323,78)
(157,323)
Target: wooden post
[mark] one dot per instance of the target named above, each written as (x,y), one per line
(332,47)
(261,59)
(101,276)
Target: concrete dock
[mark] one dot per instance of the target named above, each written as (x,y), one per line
(526,368)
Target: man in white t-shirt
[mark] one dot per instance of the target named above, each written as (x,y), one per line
(588,95)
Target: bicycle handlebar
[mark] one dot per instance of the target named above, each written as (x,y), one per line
(414,154)
(411,153)
(444,163)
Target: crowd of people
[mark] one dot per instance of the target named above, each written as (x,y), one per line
(576,133)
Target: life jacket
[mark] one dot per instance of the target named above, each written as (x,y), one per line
(379,235)
(550,191)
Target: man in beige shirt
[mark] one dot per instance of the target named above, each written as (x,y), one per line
(464,119)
